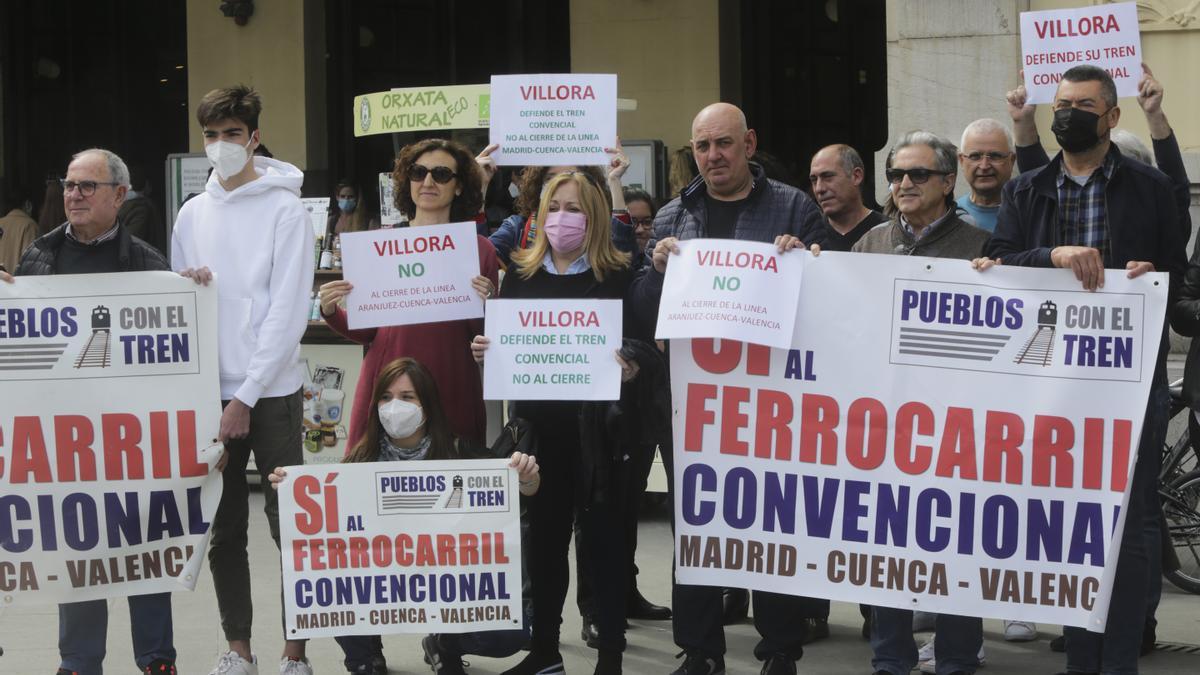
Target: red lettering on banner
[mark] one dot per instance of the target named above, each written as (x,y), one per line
(910,460)
(1093,453)
(73,438)
(958,445)
(1087,25)
(308,521)
(866,442)
(122,433)
(447,550)
(698,416)
(1002,437)
(733,420)
(1122,441)
(716,360)
(819,418)
(1053,438)
(774,414)
(29,451)
(758,360)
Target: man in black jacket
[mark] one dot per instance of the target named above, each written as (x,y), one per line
(732,199)
(93,241)
(1087,210)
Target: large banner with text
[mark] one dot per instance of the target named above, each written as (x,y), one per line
(109,404)
(936,438)
(400,547)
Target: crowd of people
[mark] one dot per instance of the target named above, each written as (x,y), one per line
(1099,204)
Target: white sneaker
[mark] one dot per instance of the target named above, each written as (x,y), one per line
(290,667)
(927,661)
(232,664)
(1020,631)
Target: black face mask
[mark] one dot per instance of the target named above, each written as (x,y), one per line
(1075,129)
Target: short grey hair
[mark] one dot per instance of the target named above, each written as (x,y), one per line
(117,171)
(988,125)
(944,153)
(849,158)
(1132,146)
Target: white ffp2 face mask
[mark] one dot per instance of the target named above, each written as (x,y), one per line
(227,158)
(400,419)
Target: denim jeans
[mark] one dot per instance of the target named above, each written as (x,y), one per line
(956,643)
(83,632)
(1115,652)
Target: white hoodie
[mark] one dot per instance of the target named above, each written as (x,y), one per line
(258,242)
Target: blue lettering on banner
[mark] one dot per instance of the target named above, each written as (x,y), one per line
(27,322)
(960,309)
(391,589)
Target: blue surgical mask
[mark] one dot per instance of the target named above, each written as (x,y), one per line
(347,205)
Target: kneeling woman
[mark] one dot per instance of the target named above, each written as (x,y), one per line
(406,422)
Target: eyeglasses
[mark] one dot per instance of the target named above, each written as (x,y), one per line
(917,176)
(441,174)
(992,156)
(86,188)
(638,222)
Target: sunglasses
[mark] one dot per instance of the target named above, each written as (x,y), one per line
(441,174)
(917,176)
(992,156)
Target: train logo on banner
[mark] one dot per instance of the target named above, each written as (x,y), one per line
(982,328)
(417,491)
(130,335)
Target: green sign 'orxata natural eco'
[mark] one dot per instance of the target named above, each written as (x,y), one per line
(465,106)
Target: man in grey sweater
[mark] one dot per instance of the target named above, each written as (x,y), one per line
(920,175)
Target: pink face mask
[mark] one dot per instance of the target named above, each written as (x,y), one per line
(566,230)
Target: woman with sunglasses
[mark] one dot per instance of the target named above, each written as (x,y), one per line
(573,256)
(435,182)
(406,422)
(518,230)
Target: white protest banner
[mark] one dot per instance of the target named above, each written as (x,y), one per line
(376,548)
(1104,35)
(109,402)
(549,350)
(936,439)
(724,288)
(388,213)
(318,214)
(411,275)
(553,120)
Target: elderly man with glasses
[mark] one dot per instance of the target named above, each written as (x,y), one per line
(93,241)
(987,155)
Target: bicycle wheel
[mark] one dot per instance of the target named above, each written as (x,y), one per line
(1179,453)
(1181,507)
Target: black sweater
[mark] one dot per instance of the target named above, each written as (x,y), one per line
(559,420)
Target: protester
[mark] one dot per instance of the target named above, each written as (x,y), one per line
(17,228)
(642,210)
(139,214)
(93,241)
(349,211)
(730,199)
(986,156)
(573,257)
(407,423)
(519,230)
(249,228)
(920,175)
(1089,209)
(836,174)
(52,214)
(682,171)
(435,182)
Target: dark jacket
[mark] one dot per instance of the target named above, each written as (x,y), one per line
(1166,155)
(1142,216)
(952,238)
(140,217)
(771,209)
(134,254)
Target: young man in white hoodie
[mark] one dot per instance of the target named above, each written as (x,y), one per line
(249,231)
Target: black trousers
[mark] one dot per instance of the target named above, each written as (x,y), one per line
(636,473)
(552,512)
(697,611)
